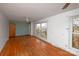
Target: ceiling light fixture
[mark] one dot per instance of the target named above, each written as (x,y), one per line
(27,19)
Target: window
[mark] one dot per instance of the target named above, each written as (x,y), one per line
(75,33)
(44,30)
(41,29)
(38,29)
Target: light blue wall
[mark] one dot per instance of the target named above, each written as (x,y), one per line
(22,28)
(3,31)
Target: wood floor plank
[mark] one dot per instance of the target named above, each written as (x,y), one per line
(31,46)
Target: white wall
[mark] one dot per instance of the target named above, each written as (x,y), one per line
(3,31)
(59,30)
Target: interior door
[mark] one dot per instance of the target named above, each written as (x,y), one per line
(12,30)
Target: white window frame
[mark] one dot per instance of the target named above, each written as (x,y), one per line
(35,29)
(71,32)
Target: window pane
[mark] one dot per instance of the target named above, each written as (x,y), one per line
(41,30)
(75,41)
(38,28)
(75,35)
(76,25)
(44,30)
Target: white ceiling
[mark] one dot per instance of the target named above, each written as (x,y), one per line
(35,11)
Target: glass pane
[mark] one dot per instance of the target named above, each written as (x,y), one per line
(41,30)
(44,30)
(75,35)
(75,41)
(75,25)
(38,28)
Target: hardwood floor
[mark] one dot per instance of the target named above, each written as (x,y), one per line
(31,46)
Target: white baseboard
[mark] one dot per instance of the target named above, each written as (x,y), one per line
(3,45)
(71,50)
